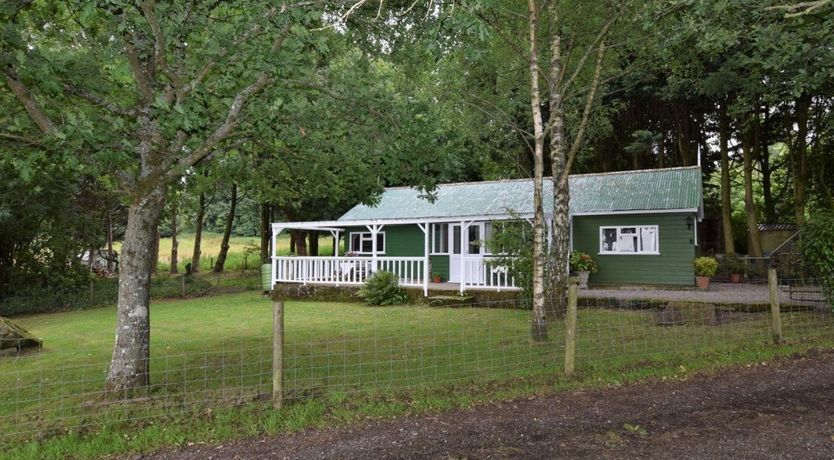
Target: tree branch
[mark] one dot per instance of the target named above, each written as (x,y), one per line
(139,74)
(100,101)
(586,113)
(33,108)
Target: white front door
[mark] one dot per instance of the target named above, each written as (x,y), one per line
(468,244)
(474,252)
(454,253)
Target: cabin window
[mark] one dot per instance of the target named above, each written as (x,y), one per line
(638,239)
(474,240)
(440,238)
(363,243)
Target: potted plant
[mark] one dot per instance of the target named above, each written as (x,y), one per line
(736,267)
(436,278)
(583,264)
(705,268)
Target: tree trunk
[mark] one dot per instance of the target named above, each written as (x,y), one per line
(155,260)
(557,265)
(110,264)
(227,233)
(293,236)
(314,243)
(131,352)
(174,242)
(749,203)
(726,203)
(266,233)
(300,243)
(761,144)
(799,155)
(198,234)
(538,326)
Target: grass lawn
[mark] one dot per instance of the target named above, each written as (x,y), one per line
(211,362)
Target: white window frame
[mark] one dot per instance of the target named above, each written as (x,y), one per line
(436,229)
(619,228)
(363,237)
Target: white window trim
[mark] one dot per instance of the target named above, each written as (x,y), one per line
(448,236)
(603,252)
(366,236)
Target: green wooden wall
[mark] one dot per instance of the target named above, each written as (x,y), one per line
(672,267)
(407,241)
(400,240)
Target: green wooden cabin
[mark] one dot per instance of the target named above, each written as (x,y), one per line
(640,227)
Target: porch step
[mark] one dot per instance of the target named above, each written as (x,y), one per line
(449,300)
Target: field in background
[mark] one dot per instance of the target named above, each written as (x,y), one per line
(244,251)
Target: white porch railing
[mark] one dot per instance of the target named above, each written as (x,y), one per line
(346,270)
(486,273)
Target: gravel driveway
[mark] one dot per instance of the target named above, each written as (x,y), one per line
(781,409)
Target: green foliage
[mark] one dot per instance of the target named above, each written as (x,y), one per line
(512,242)
(706,266)
(733,264)
(817,246)
(383,288)
(582,262)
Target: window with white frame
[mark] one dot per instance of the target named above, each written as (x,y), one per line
(363,243)
(638,239)
(439,238)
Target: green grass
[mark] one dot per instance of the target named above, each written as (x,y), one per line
(211,361)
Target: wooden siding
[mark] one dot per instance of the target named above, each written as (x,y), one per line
(400,240)
(440,264)
(672,267)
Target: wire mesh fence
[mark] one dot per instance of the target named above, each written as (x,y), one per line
(220,354)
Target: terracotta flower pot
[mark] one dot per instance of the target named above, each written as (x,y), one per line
(736,277)
(702,282)
(436,279)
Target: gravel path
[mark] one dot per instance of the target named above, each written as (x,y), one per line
(774,410)
(726,293)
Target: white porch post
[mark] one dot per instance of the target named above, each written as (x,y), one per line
(335,271)
(275,231)
(464,250)
(374,229)
(425,228)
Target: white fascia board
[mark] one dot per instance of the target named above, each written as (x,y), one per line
(322,225)
(638,211)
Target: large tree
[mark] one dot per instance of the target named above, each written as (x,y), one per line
(169,83)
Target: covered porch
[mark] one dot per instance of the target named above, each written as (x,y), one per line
(455,247)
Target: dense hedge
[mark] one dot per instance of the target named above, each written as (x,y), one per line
(103,292)
(818,249)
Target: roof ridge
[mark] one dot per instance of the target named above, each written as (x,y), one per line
(519,179)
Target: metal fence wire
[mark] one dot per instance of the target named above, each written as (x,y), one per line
(331,351)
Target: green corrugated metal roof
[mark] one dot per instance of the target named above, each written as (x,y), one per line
(643,190)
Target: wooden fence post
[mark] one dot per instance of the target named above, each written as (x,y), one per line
(278,354)
(775,313)
(570,330)
(182,286)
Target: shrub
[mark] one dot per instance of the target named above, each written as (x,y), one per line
(735,264)
(383,288)
(817,247)
(582,262)
(706,266)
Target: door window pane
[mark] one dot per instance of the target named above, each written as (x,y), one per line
(474,240)
(456,239)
